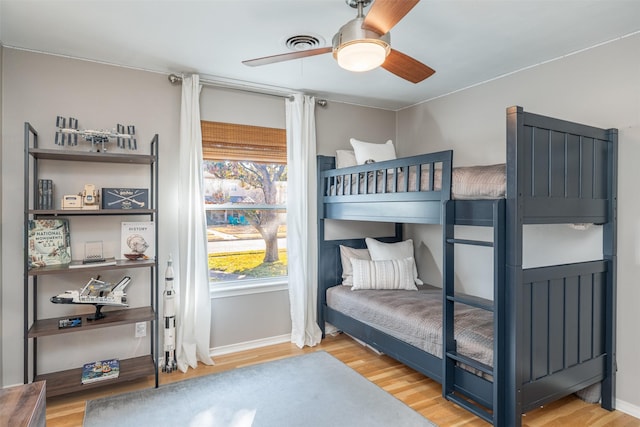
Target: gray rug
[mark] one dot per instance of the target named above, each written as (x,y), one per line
(315,389)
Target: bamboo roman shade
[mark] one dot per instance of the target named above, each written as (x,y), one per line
(229,141)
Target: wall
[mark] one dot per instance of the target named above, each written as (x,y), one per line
(37,88)
(338,122)
(600,87)
(1,184)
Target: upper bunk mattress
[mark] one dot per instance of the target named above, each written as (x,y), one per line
(415,317)
(467,183)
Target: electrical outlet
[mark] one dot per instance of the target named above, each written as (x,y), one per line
(141,329)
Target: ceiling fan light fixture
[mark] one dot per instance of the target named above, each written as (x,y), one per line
(362,55)
(362,44)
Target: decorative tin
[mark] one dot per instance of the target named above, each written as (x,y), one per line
(125,198)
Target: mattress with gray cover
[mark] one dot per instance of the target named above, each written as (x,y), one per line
(415,317)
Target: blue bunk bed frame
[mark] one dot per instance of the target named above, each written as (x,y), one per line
(554,326)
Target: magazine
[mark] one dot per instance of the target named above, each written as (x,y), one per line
(138,240)
(49,242)
(100,370)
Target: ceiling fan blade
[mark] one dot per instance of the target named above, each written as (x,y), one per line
(406,67)
(286,56)
(384,14)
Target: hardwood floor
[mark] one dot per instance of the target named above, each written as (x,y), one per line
(416,390)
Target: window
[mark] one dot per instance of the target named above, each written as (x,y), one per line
(245,190)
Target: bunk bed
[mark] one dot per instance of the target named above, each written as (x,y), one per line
(553,327)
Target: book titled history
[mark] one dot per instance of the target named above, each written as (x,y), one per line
(100,371)
(49,242)
(137,240)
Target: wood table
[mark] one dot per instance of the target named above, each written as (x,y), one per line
(23,405)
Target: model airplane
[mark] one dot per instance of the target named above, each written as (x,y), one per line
(97,293)
(69,135)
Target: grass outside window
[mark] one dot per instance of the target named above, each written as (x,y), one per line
(248,264)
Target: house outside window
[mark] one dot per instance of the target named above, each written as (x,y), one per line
(245,191)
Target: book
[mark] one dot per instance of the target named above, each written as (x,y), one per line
(100,370)
(137,240)
(45,194)
(49,242)
(48,194)
(41,191)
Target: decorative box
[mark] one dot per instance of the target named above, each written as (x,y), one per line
(125,198)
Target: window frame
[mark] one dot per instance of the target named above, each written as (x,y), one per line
(232,142)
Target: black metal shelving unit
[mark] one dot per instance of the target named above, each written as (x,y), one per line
(35,328)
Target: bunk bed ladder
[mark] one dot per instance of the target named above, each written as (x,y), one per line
(464,396)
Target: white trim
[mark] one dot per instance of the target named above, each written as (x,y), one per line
(249,345)
(628,408)
(247,287)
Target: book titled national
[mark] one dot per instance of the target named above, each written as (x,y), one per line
(49,242)
(100,370)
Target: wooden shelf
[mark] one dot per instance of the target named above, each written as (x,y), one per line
(83,212)
(69,381)
(64,269)
(87,156)
(47,327)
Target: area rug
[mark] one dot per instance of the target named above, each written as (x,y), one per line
(313,390)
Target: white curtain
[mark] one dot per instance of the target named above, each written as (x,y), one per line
(194,315)
(302,219)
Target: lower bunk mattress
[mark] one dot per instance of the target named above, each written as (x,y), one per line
(415,317)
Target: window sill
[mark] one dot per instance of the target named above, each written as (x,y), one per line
(247,287)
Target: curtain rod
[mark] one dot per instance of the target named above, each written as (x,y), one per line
(175,79)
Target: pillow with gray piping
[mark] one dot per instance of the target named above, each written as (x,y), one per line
(386,274)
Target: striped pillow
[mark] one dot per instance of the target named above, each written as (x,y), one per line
(387,274)
(346,253)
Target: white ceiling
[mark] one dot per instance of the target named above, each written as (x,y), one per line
(466,41)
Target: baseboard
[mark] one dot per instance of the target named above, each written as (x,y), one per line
(249,345)
(628,408)
(234,348)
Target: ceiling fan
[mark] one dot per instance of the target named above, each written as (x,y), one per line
(363,43)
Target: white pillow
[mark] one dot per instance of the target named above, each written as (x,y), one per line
(345,159)
(365,151)
(399,250)
(346,254)
(388,274)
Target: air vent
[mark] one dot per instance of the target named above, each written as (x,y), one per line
(304,42)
